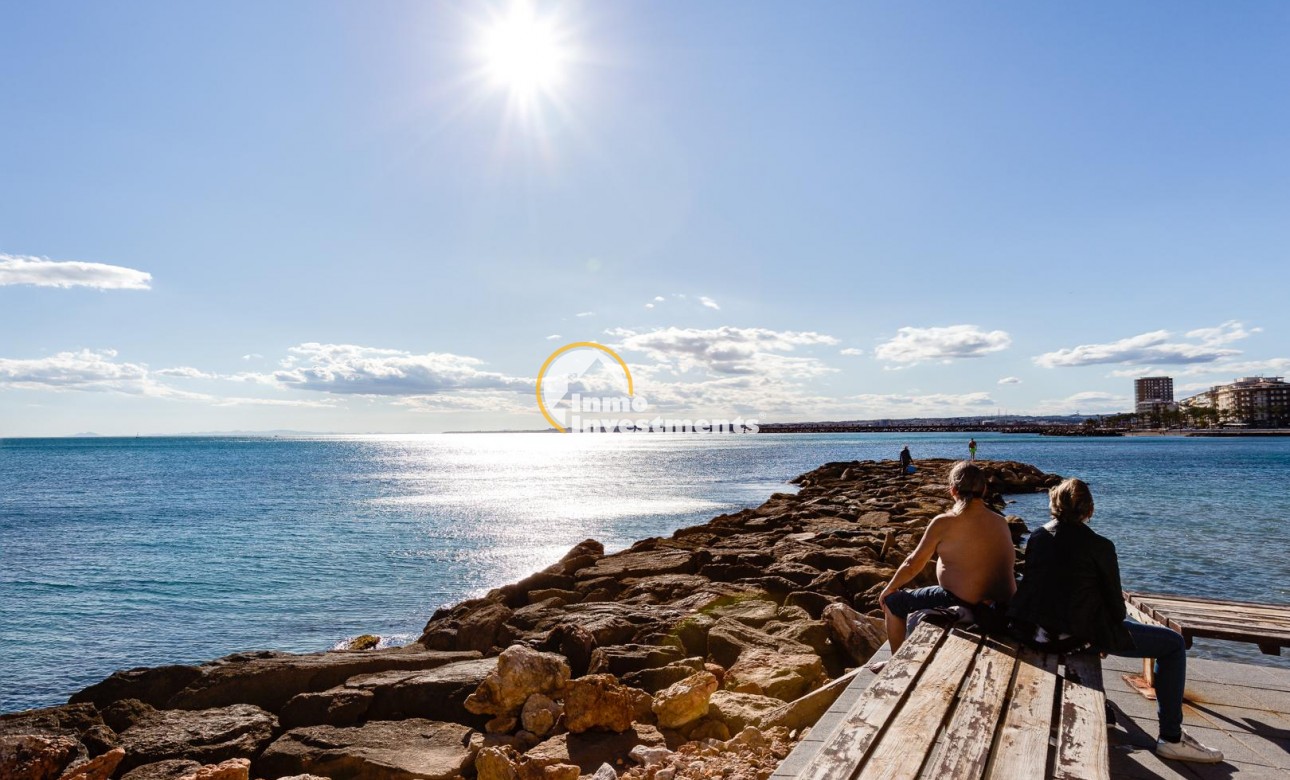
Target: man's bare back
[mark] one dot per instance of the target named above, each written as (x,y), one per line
(975,556)
(975,560)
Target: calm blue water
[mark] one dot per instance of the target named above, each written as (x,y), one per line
(128,552)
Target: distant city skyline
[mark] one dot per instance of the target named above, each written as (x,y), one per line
(327,217)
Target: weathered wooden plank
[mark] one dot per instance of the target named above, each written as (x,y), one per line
(1162,597)
(1235,623)
(1081,731)
(967,740)
(1277,614)
(1208,631)
(902,749)
(1232,625)
(1021,751)
(855,736)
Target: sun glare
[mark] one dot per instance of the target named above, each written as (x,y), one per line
(524,53)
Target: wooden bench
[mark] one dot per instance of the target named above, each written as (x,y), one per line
(954,704)
(1265,625)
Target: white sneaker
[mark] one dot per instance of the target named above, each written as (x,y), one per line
(1188,749)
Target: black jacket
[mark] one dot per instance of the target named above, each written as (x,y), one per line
(1071,584)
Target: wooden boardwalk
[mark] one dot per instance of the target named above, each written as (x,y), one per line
(1241,709)
(1264,625)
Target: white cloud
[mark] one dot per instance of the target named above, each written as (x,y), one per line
(1223,334)
(1232,369)
(348,369)
(1086,402)
(585,314)
(185,372)
(1010,380)
(913,405)
(915,345)
(727,350)
(658,299)
(851,352)
(40,272)
(1207,345)
(99,371)
(649,305)
(82,370)
(553,337)
(708,302)
(253,356)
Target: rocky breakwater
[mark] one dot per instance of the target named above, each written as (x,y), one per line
(704,654)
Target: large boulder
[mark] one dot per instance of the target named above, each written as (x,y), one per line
(484,628)
(504,762)
(434,694)
(35,757)
(414,749)
(620,660)
(644,563)
(729,639)
(521,672)
(784,676)
(335,707)
(265,679)
(82,723)
(599,701)
(170,769)
(738,710)
(207,736)
(685,701)
(858,635)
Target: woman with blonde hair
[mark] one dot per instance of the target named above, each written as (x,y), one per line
(1070,597)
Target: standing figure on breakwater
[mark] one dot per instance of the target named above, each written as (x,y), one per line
(975,558)
(1070,596)
(972,448)
(906,460)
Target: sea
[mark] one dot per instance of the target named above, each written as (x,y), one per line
(126,552)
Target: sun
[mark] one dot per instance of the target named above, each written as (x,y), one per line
(524,53)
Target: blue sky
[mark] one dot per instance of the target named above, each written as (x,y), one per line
(331,217)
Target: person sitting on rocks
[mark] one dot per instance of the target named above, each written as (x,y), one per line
(975,558)
(1070,597)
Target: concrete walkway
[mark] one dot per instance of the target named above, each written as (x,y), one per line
(1241,709)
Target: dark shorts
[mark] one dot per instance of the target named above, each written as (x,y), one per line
(903,602)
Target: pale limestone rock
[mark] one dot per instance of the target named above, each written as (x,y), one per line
(599,701)
(232,769)
(540,713)
(784,676)
(98,768)
(685,701)
(521,672)
(859,635)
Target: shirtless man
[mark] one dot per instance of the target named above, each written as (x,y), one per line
(975,557)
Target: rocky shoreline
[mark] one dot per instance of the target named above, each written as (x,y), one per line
(708,653)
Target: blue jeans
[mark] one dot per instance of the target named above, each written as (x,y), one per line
(1167,647)
(902,602)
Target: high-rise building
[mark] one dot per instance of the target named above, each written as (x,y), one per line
(1152,394)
